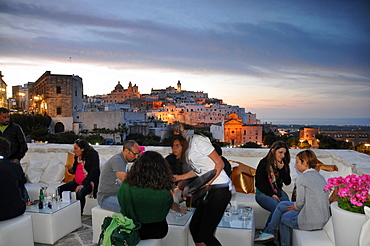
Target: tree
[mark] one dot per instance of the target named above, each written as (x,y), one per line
(304,145)
(251,145)
(269,138)
(121,130)
(327,142)
(95,139)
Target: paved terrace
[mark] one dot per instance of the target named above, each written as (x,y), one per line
(348,161)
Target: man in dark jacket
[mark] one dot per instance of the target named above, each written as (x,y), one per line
(11,184)
(14,134)
(18,145)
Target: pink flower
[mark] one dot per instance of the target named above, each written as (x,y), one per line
(352,188)
(142,149)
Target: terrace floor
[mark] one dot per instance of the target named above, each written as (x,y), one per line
(83,236)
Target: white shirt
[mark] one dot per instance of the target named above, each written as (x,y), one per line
(197,157)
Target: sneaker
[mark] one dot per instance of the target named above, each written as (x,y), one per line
(264,237)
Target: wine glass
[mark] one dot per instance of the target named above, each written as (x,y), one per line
(44,187)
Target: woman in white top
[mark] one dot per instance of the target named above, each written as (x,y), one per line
(203,158)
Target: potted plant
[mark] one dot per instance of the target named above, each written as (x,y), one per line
(352,195)
(351,192)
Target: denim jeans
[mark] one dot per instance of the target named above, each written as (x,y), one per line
(285,220)
(269,203)
(110,203)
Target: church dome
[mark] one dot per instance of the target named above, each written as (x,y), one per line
(118,86)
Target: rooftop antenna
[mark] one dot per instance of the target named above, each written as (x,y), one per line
(70,62)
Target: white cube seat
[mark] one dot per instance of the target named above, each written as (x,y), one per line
(324,237)
(17,231)
(98,215)
(150,242)
(261,215)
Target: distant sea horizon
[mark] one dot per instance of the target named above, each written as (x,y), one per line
(317,121)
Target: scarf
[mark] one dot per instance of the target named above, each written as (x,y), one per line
(274,173)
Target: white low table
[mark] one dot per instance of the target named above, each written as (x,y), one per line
(178,229)
(50,225)
(232,231)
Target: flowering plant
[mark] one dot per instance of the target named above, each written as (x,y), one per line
(142,149)
(352,192)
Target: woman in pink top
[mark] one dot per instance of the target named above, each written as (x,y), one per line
(86,171)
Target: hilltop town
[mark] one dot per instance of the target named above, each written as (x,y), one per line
(61,97)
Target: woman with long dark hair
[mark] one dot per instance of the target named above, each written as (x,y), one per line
(272,172)
(86,170)
(145,194)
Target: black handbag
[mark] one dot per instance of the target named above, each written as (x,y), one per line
(196,185)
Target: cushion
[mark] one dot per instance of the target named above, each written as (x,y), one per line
(364,239)
(69,163)
(242,177)
(35,170)
(54,172)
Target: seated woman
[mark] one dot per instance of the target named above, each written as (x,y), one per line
(176,158)
(310,211)
(272,171)
(86,170)
(145,195)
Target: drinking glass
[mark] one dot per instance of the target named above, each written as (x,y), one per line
(189,200)
(44,187)
(57,194)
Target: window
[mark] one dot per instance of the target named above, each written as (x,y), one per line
(95,126)
(59,90)
(59,110)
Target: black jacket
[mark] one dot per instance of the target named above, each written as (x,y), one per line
(18,145)
(262,182)
(92,168)
(11,189)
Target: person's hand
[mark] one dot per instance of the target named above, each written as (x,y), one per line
(183,210)
(276,198)
(293,207)
(78,188)
(176,178)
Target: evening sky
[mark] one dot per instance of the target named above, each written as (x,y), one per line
(274,58)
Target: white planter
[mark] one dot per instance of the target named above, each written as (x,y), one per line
(347,226)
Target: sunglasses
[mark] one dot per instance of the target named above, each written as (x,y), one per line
(135,154)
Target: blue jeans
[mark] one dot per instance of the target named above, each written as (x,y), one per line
(269,203)
(285,220)
(110,203)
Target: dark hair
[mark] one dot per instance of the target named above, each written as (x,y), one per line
(129,144)
(83,144)
(4,147)
(184,143)
(271,155)
(4,111)
(217,148)
(308,156)
(150,170)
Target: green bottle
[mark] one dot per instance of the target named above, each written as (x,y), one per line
(41,195)
(41,198)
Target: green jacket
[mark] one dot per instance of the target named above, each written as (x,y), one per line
(144,205)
